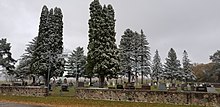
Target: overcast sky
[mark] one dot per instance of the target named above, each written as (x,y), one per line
(192,25)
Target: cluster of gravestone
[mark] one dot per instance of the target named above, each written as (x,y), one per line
(17,83)
(165,87)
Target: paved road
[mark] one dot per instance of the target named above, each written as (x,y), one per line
(3,104)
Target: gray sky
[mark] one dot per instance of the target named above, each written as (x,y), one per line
(192,25)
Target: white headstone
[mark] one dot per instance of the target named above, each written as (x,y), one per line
(211,90)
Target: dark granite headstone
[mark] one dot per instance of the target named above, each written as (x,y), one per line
(17,84)
(5,84)
(96,84)
(120,87)
(145,87)
(64,87)
(129,86)
(162,87)
(201,89)
(172,89)
(80,84)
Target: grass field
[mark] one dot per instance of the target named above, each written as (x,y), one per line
(67,99)
(73,102)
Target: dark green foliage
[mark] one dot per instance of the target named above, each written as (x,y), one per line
(187,74)
(102,57)
(144,56)
(126,52)
(94,31)
(157,67)
(76,63)
(49,45)
(6,59)
(135,54)
(172,66)
(24,67)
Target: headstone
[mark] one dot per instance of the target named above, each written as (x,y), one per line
(162,87)
(80,84)
(5,84)
(120,87)
(145,87)
(211,90)
(96,84)
(172,89)
(201,89)
(129,86)
(64,87)
(17,84)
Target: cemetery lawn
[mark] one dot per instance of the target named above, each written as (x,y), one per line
(73,102)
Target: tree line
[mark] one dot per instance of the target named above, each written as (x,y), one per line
(104,60)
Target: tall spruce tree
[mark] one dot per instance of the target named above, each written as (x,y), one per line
(172,66)
(144,54)
(102,51)
(38,58)
(136,52)
(6,60)
(94,31)
(24,67)
(77,61)
(49,45)
(126,52)
(187,68)
(157,67)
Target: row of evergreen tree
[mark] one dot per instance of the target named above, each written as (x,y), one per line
(132,57)
(104,59)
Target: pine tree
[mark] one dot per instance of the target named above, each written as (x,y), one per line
(114,65)
(126,52)
(6,60)
(24,67)
(187,68)
(56,43)
(102,50)
(49,45)
(77,61)
(157,67)
(39,58)
(172,66)
(94,31)
(136,51)
(144,54)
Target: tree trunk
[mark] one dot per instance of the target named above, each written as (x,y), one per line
(142,77)
(46,84)
(34,80)
(90,81)
(136,77)
(101,81)
(77,79)
(129,76)
(157,80)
